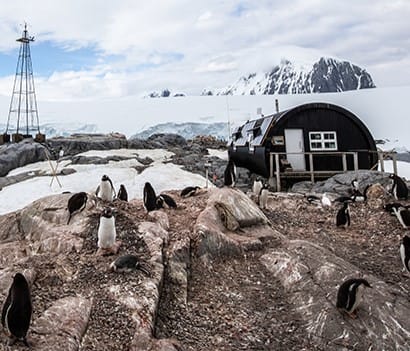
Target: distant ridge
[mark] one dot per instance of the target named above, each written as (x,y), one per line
(327,75)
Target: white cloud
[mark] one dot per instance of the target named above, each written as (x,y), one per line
(185,45)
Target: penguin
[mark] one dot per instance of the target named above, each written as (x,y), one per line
(343,216)
(76,202)
(313,199)
(106,229)
(403,215)
(350,295)
(189,191)
(399,188)
(355,185)
(263,198)
(17,310)
(150,198)
(165,200)
(128,263)
(393,205)
(230,174)
(405,253)
(343,199)
(257,187)
(325,201)
(122,193)
(105,191)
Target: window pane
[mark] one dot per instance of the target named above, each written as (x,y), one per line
(330,145)
(315,136)
(316,145)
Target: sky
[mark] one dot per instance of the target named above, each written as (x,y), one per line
(92,49)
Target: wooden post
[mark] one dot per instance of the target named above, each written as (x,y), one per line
(344,162)
(355,161)
(312,172)
(380,154)
(394,156)
(277,172)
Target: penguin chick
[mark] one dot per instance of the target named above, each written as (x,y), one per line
(76,202)
(105,191)
(122,193)
(150,198)
(343,216)
(189,191)
(405,253)
(128,263)
(350,295)
(17,310)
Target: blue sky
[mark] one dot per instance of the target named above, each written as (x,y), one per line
(96,50)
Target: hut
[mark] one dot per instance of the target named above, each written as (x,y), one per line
(315,137)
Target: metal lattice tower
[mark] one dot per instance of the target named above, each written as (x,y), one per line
(23,115)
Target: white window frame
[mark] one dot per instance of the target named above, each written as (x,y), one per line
(322,141)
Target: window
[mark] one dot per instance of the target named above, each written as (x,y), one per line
(323,141)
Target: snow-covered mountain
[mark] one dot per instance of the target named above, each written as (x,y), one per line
(325,76)
(188,130)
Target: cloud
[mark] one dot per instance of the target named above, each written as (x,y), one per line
(185,45)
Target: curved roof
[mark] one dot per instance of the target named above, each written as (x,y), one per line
(271,120)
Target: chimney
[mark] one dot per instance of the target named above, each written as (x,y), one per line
(277,105)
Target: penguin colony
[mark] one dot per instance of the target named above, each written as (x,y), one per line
(17,308)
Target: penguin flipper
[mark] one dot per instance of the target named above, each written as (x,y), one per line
(4,311)
(69,218)
(97,190)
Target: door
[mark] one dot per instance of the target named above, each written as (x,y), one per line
(294,143)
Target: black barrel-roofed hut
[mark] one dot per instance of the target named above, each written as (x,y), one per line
(319,128)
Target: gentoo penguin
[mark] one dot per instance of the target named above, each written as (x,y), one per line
(189,191)
(343,216)
(164,200)
(76,202)
(230,174)
(313,199)
(399,188)
(405,253)
(122,193)
(105,190)
(343,199)
(325,201)
(393,205)
(350,295)
(257,187)
(106,229)
(355,185)
(403,215)
(150,199)
(263,198)
(17,310)
(128,263)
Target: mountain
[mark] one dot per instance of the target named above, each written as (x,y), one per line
(325,76)
(188,130)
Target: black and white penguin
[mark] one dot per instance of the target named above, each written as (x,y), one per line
(350,295)
(355,185)
(189,191)
(403,215)
(393,205)
(257,187)
(343,216)
(122,193)
(405,253)
(230,174)
(399,188)
(164,200)
(326,202)
(106,230)
(105,191)
(343,199)
(17,310)
(150,198)
(76,202)
(263,198)
(128,263)
(313,199)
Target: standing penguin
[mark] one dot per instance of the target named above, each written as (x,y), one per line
(350,295)
(17,310)
(230,174)
(355,185)
(150,199)
(106,230)
(403,215)
(343,216)
(257,187)
(77,202)
(105,190)
(405,253)
(263,198)
(122,193)
(399,188)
